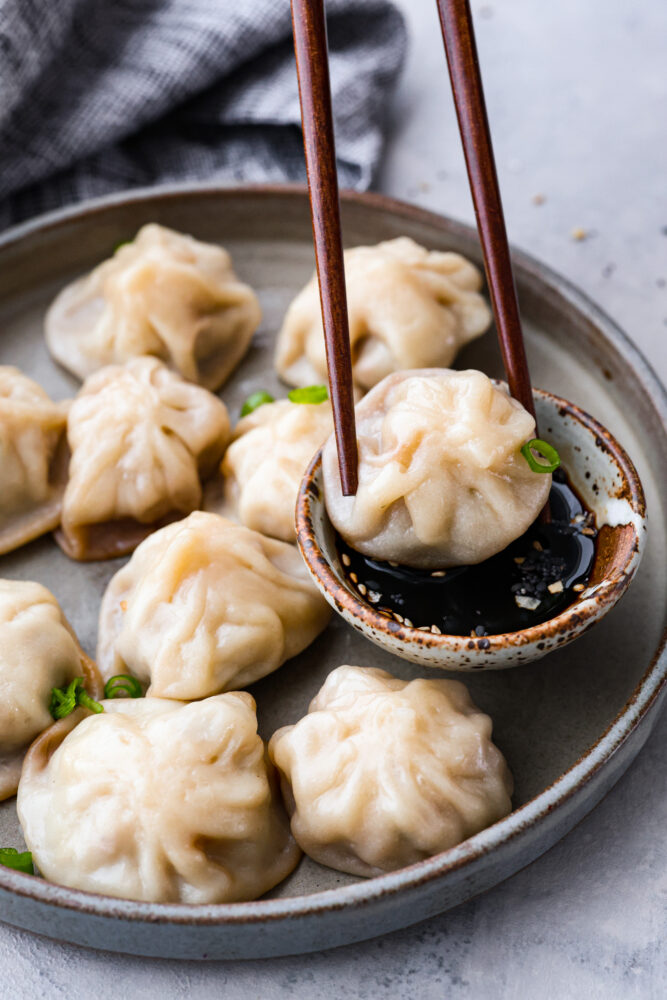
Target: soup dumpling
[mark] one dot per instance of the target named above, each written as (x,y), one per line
(382,773)
(164,294)
(442,481)
(159,801)
(141,440)
(38,651)
(33,459)
(205,605)
(266,461)
(408,307)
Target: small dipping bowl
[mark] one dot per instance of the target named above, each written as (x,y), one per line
(607,482)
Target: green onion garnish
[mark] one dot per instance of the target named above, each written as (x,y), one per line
(545,451)
(20,862)
(64,700)
(255,400)
(123,243)
(122,686)
(309,394)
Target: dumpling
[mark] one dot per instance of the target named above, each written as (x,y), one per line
(159,801)
(408,308)
(141,440)
(442,481)
(263,467)
(38,651)
(382,773)
(33,459)
(206,605)
(163,294)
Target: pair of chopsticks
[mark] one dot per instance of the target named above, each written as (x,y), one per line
(310,43)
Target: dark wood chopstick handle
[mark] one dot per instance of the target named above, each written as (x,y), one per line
(459,38)
(310,44)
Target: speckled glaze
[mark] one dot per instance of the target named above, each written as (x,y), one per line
(609,485)
(569,726)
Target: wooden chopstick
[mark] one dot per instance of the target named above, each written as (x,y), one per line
(459,38)
(312,61)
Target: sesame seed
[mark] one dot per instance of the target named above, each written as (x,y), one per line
(435,630)
(538,545)
(423,628)
(374,597)
(354,578)
(579,234)
(519,560)
(123,605)
(578,587)
(556,588)
(399,618)
(406,621)
(393,563)
(362,589)
(526,602)
(346,559)
(439,572)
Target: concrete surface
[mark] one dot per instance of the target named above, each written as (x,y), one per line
(578,103)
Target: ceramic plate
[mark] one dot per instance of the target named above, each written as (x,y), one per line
(569,725)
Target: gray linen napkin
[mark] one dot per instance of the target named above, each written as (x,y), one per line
(99,95)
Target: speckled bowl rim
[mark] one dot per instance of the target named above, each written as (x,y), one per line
(584,612)
(643,697)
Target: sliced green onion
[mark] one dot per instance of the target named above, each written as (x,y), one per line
(545,451)
(309,394)
(20,862)
(64,700)
(123,243)
(123,686)
(84,699)
(255,400)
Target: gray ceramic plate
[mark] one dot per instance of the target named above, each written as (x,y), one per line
(569,725)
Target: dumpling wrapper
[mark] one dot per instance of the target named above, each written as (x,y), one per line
(33,459)
(442,481)
(164,294)
(38,651)
(408,307)
(141,440)
(382,773)
(158,801)
(205,605)
(263,467)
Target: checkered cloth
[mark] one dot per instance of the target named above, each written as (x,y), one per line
(99,95)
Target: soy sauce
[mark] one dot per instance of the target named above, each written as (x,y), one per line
(532,580)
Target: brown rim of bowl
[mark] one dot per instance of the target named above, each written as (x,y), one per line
(641,700)
(582,612)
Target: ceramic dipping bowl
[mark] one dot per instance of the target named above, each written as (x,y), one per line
(607,482)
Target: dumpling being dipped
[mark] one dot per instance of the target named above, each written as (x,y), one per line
(408,308)
(33,459)
(158,801)
(141,441)
(266,461)
(382,773)
(38,651)
(164,294)
(442,480)
(206,605)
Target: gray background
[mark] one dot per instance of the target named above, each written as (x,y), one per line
(577,95)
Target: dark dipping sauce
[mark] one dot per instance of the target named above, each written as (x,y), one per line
(506,593)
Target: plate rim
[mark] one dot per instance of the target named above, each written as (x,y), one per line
(644,696)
